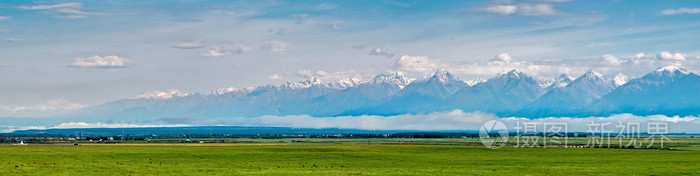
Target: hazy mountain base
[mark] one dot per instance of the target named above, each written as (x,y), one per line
(452,120)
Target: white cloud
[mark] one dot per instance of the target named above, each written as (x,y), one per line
(352,75)
(452,120)
(638,55)
(305,73)
(2,18)
(275,46)
(680,11)
(221,51)
(70,5)
(216,52)
(417,64)
(69,125)
(380,52)
(275,77)
(612,60)
(413,65)
(537,10)
(670,56)
(161,95)
(189,45)
(65,10)
(521,9)
(503,57)
(101,62)
(105,125)
(50,105)
(609,65)
(77,12)
(501,9)
(594,45)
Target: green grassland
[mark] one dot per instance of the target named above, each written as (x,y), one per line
(342,157)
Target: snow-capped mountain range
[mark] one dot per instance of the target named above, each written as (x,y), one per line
(668,90)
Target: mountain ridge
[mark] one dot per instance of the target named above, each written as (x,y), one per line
(511,93)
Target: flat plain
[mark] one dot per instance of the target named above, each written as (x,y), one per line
(341,157)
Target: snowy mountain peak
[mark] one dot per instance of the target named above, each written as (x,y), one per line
(562,81)
(221,91)
(397,75)
(397,78)
(513,78)
(344,83)
(512,74)
(620,79)
(671,70)
(592,82)
(592,74)
(160,95)
(303,84)
(443,76)
(227,90)
(441,85)
(475,81)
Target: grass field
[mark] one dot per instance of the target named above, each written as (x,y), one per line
(338,159)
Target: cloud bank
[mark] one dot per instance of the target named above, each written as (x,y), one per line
(609,65)
(454,120)
(71,5)
(670,56)
(71,10)
(680,11)
(216,52)
(439,121)
(521,9)
(70,125)
(189,45)
(50,105)
(101,62)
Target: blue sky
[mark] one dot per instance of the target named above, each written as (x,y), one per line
(69,54)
